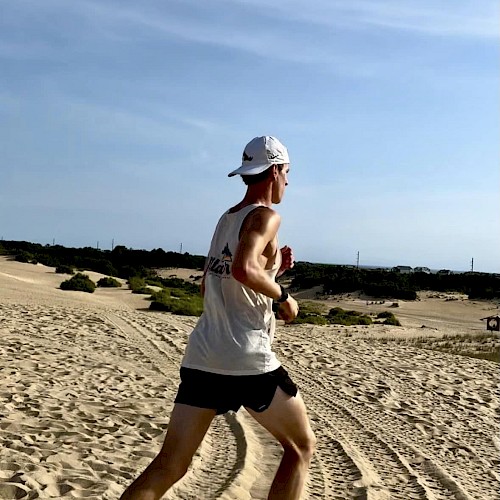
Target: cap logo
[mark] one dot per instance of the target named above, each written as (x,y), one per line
(259,154)
(271,156)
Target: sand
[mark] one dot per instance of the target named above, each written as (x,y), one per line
(87,384)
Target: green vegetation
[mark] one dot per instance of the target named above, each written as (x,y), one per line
(338,316)
(175,295)
(63,269)
(79,282)
(177,301)
(138,267)
(121,261)
(310,313)
(109,283)
(382,283)
(24,257)
(177,283)
(385,283)
(314,314)
(138,285)
(390,319)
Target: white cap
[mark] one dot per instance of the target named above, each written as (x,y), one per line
(259,154)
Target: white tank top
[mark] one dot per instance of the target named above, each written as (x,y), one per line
(234,334)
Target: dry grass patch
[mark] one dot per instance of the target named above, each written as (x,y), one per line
(481,345)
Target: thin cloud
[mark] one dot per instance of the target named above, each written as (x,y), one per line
(112,122)
(257,35)
(279,30)
(254,40)
(466,18)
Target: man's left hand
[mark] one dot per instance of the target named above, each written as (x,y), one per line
(287,260)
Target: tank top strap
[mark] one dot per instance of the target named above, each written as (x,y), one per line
(239,217)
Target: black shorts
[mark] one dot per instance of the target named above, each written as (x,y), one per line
(229,392)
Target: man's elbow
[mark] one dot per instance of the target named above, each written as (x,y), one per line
(245,274)
(240,273)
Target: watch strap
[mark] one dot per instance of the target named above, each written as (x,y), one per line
(284,296)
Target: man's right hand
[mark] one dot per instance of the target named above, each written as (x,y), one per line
(288,310)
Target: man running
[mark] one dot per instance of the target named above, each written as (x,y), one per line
(228,361)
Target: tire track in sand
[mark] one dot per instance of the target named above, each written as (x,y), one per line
(222,455)
(395,459)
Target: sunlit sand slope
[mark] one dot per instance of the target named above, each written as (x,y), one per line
(87,385)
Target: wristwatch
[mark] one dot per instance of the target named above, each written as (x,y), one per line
(278,302)
(284,296)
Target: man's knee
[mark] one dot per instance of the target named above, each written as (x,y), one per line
(174,468)
(303,447)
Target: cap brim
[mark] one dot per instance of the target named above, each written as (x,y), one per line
(250,170)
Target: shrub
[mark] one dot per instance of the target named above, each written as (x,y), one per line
(24,257)
(138,285)
(170,283)
(79,282)
(109,283)
(338,316)
(384,314)
(178,302)
(63,269)
(390,319)
(310,313)
(312,319)
(128,272)
(48,260)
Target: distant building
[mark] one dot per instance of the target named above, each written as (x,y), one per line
(444,272)
(492,323)
(402,269)
(425,270)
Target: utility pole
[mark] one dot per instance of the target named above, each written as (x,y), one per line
(357,261)
(181,248)
(112,244)
(472,265)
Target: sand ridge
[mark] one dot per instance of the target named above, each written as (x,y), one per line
(87,385)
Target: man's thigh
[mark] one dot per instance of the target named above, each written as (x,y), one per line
(286,419)
(186,429)
(258,391)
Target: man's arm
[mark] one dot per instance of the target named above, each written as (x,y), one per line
(202,286)
(259,229)
(287,260)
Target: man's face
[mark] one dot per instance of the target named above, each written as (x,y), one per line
(281,182)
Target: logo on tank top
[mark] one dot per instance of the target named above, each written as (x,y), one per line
(222,266)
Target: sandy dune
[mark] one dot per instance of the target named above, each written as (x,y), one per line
(87,383)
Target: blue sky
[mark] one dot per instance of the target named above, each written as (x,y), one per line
(120,121)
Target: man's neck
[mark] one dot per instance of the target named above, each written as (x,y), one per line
(258,195)
(255,195)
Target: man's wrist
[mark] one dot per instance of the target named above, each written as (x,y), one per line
(283,297)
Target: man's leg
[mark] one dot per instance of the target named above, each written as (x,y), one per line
(186,430)
(286,419)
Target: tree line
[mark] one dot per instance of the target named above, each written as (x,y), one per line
(121,262)
(388,283)
(126,263)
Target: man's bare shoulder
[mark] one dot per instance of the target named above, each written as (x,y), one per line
(261,220)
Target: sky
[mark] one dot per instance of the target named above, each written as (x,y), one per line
(120,120)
